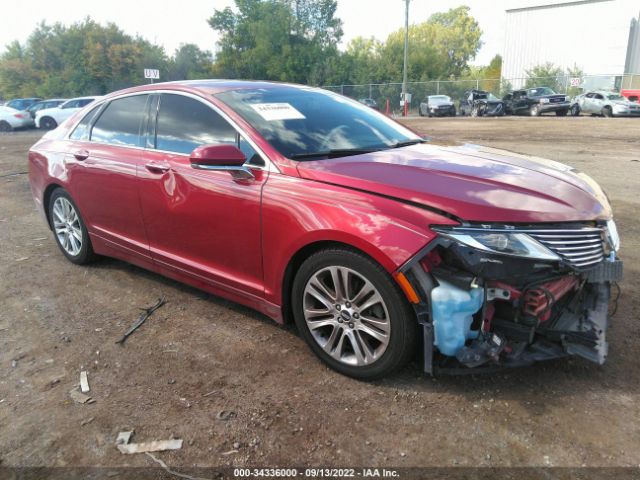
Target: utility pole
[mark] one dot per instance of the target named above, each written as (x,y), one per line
(406,53)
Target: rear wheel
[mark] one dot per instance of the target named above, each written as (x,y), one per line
(352,314)
(5,126)
(69,229)
(48,123)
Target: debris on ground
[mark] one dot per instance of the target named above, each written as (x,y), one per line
(146,313)
(230,452)
(84,382)
(122,442)
(79,397)
(172,472)
(225,415)
(87,421)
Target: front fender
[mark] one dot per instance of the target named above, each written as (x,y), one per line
(297,212)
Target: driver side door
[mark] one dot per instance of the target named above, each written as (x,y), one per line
(201,224)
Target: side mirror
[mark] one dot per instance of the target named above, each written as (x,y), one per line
(224,157)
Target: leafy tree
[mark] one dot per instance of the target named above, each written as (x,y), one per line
(546,75)
(190,62)
(288,40)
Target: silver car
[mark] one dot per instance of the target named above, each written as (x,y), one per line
(608,104)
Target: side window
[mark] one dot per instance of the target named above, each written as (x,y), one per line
(85,102)
(81,132)
(598,97)
(119,123)
(73,104)
(185,123)
(250,153)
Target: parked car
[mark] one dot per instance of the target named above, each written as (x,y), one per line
(44,104)
(50,118)
(536,101)
(301,204)
(608,104)
(478,103)
(21,104)
(10,119)
(369,102)
(437,106)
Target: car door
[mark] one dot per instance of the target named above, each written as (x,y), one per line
(202,223)
(102,161)
(586,103)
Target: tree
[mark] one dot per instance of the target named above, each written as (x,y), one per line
(190,62)
(288,40)
(546,75)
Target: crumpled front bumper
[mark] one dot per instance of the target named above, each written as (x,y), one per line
(578,328)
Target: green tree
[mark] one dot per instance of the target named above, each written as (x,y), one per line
(190,62)
(288,40)
(546,75)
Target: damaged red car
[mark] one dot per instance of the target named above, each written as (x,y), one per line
(313,208)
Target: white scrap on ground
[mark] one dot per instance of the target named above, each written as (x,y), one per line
(122,442)
(84,382)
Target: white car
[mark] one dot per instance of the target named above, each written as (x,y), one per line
(50,118)
(10,119)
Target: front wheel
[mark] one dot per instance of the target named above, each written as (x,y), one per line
(69,229)
(575,110)
(534,111)
(607,112)
(561,113)
(352,314)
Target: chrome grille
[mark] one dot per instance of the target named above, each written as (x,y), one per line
(580,247)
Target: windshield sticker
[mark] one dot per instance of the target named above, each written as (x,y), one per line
(277,111)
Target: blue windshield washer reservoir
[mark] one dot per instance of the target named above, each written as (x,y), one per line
(453,310)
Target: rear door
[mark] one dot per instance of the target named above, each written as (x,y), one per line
(103,161)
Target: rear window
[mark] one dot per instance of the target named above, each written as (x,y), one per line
(119,123)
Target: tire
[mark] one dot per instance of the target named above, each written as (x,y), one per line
(474,112)
(561,113)
(607,112)
(453,112)
(534,111)
(390,332)
(5,127)
(575,110)
(66,222)
(48,123)
(420,112)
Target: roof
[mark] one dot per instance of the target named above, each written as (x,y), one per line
(209,87)
(541,4)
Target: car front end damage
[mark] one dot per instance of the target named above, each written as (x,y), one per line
(507,296)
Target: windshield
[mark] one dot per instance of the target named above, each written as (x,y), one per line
(439,99)
(615,96)
(304,122)
(540,91)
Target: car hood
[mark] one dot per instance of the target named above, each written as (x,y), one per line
(470,182)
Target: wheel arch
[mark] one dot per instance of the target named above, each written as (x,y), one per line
(46,199)
(298,258)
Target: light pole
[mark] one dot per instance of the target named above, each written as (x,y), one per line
(406,53)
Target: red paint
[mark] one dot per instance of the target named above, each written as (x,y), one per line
(537,302)
(235,237)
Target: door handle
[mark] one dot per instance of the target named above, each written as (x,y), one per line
(157,167)
(81,155)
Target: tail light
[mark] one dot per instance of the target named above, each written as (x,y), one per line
(20,115)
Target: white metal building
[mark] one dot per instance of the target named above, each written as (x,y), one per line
(598,36)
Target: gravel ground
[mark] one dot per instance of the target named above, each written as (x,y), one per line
(242,391)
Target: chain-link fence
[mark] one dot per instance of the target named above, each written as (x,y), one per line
(390,93)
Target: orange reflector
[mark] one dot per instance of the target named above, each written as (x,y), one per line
(408,290)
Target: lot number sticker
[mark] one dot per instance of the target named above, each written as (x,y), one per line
(277,111)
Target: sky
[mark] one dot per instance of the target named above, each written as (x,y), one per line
(173,23)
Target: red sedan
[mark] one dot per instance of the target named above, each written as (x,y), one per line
(311,207)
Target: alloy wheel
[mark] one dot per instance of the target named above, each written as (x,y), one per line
(346,315)
(66,224)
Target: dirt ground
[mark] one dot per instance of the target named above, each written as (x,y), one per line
(242,391)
